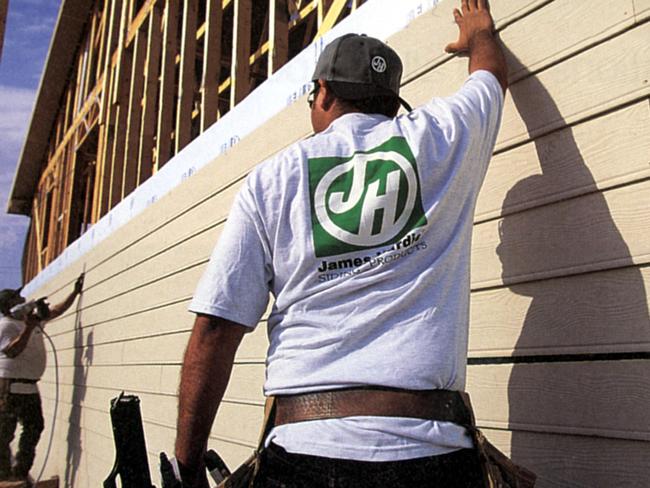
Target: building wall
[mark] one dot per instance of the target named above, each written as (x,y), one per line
(559,366)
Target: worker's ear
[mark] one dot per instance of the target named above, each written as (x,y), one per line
(327,98)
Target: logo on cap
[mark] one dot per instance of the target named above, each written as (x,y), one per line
(378,64)
(370,199)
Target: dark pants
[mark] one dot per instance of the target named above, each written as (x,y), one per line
(280,469)
(25,409)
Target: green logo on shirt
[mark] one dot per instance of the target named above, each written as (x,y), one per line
(368,200)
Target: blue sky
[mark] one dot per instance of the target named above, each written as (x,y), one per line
(27,39)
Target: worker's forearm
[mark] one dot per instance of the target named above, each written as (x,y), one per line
(206,370)
(60,308)
(18,345)
(486,54)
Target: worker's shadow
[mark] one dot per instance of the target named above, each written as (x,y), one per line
(557,403)
(83,357)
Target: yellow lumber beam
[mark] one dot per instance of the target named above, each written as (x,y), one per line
(331,17)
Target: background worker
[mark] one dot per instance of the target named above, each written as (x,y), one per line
(362,234)
(22,363)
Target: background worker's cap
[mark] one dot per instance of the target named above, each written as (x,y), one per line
(7,295)
(361,66)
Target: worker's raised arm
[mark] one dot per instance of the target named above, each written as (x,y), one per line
(476,37)
(60,308)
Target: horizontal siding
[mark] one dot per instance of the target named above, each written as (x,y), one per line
(600,398)
(558,239)
(577,461)
(569,162)
(596,313)
(642,9)
(560,263)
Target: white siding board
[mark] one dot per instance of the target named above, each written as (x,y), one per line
(438,29)
(602,398)
(176,286)
(152,322)
(570,30)
(132,379)
(156,266)
(246,384)
(161,349)
(641,9)
(577,461)
(590,233)
(548,100)
(603,312)
(578,88)
(255,345)
(598,154)
(238,422)
(200,220)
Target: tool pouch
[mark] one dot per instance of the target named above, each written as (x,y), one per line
(498,469)
(244,475)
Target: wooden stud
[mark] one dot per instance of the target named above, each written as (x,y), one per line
(120,96)
(67,182)
(103,40)
(187,77)
(36,222)
(148,126)
(294,8)
(99,173)
(211,64)
(334,10)
(241,47)
(59,210)
(78,83)
(278,35)
(167,84)
(134,116)
(311,20)
(90,56)
(107,115)
(141,18)
(123,66)
(323,7)
(111,43)
(302,14)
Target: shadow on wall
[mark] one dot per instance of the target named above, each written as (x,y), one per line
(579,389)
(83,358)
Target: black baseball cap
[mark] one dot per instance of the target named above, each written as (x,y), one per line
(7,295)
(362,67)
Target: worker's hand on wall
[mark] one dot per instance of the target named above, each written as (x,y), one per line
(474,18)
(78,285)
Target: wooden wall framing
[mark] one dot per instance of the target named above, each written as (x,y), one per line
(151,75)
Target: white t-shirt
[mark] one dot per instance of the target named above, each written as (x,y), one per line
(362,233)
(29,364)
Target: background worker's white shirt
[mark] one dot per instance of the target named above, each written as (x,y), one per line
(362,233)
(29,364)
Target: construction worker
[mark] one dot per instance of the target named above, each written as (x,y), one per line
(22,363)
(362,234)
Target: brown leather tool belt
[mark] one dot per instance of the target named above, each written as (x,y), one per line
(441,405)
(25,381)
